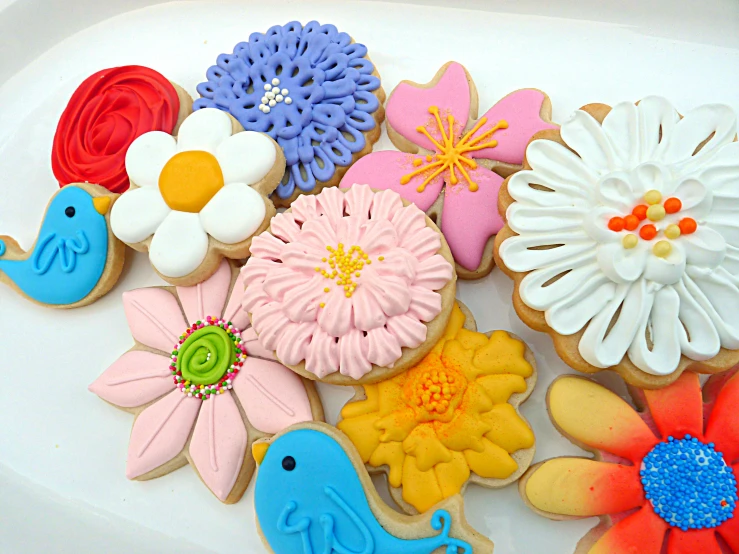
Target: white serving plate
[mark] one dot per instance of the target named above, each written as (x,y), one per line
(62,451)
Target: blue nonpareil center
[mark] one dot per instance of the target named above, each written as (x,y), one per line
(689,484)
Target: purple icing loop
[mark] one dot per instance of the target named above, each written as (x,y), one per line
(329,103)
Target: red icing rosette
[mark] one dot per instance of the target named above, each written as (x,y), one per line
(106,113)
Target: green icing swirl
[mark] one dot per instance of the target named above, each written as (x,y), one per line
(193,359)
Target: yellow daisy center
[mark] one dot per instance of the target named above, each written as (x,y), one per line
(189,180)
(344,266)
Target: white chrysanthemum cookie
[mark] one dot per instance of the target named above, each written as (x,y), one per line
(199,197)
(623,238)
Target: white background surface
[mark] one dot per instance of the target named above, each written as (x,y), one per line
(62,450)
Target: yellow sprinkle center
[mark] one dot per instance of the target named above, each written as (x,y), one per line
(344,266)
(656,212)
(452,156)
(630,241)
(434,391)
(672,231)
(653,197)
(662,249)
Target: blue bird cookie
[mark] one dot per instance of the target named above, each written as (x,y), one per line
(314,496)
(75,259)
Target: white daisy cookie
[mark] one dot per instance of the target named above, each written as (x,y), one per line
(198,197)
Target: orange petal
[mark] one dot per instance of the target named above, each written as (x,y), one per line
(454,355)
(729,530)
(502,354)
(456,322)
(581,487)
(593,415)
(420,488)
(397,425)
(452,475)
(390,454)
(426,448)
(723,424)
(390,396)
(499,388)
(471,339)
(678,409)
(507,429)
(642,532)
(362,432)
(463,432)
(698,541)
(492,463)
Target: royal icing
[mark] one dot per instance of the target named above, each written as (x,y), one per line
(199,377)
(193,187)
(70,254)
(106,113)
(345,281)
(311,88)
(446,417)
(643,210)
(309,499)
(672,468)
(446,146)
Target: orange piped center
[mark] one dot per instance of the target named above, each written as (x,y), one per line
(189,180)
(436,391)
(452,156)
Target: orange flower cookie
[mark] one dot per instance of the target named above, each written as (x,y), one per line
(450,419)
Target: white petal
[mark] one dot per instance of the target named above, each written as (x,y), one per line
(723,172)
(693,195)
(719,297)
(604,346)
(572,313)
(147,155)
(585,136)
(204,130)
(179,245)
(623,265)
(657,119)
(539,293)
(705,248)
(699,339)
(523,218)
(233,214)
(246,157)
(651,176)
(137,214)
(521,253)
(660,320)
(668,270)
(557,193)
(711,120)
(617,191)
(621,126)
(558,163)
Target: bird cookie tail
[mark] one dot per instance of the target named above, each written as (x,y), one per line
(442,520)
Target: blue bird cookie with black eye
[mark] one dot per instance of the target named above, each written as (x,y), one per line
(75,259)
(313,494)
(312,89)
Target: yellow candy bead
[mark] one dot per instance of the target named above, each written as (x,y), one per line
(656,212)
(662,249)
(630,241)
(672,231)
(653,197)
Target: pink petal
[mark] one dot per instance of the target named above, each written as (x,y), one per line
(391,292)
(383,348)
(319,232)
(379,234)
(408,105)
(336,317)
(160,433)
(285,227)
(281,280)
(409,331)
(234,312)
(294,342)
(134,379)
(383,171)
(433,273)
(353,350)
(267,246)
(254,347)
(254,298)
(397,262)
(272,396)
(301,302)
(305,208)
(322,357)
(218,444)
(154,317)
(469,218)
(350,229)
(331,202)
(521,110)
(367,312)
(206,298)
(425,303)
(358,201)
(423,243)
(269,322)
(302,256)
(385,204)
(256,269)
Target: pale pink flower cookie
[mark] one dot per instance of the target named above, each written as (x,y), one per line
(350,287)
(201,387)
(452,163)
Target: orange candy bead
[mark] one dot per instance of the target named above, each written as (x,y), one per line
(640,211)
(648,232)
(687,225)
(673,205)
(616,224)
(631,222)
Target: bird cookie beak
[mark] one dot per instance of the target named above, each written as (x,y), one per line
(259,451)
(102,204)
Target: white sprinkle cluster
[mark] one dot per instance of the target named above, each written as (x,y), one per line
(273,96)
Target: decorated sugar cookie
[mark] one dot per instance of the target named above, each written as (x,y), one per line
(451,162)
(313,495)
(105,114)
(450,419)
(201,387)
(199,197)
(75,259)
(662,480)
(312,89)
(622,238)
(349,287)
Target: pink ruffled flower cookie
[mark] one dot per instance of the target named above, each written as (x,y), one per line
(350,287)
(200,385)
(451,162)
